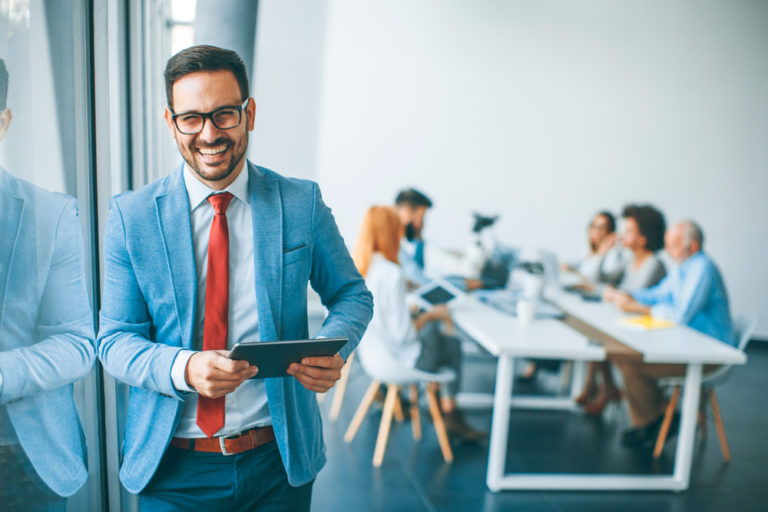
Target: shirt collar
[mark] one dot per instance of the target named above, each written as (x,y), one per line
(199,191)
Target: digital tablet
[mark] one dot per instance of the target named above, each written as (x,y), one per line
(435,293)
(274,357)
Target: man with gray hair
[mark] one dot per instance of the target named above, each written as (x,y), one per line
(692,294)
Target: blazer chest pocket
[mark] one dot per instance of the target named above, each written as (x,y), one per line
(294,254)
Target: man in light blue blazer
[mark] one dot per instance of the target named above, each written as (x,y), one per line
(166,308)
(46,341)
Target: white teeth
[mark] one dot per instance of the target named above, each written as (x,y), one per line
(212,151)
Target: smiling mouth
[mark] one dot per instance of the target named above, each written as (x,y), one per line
(213,151)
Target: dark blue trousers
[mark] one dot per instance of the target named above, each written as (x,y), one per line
(250,481)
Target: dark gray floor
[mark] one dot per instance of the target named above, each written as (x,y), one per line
(414,477)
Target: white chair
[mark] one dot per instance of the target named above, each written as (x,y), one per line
(744,327)
(385,369)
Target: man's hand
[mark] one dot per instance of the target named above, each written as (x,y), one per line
(212,374)
(611,294)
(627,303)
(317,374)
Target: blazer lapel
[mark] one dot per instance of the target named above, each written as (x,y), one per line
(267,212)
(11,209)
(176,231)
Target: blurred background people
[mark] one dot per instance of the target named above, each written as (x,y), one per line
(411,206)
(603,262)
(642,236)
(693,293)
(416,340)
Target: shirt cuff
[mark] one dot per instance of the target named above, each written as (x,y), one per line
(178,370)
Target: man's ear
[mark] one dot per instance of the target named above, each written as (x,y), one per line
(169,121)
(5,121)
(250,110)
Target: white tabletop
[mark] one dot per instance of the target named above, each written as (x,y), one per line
(500,333)
(679,344)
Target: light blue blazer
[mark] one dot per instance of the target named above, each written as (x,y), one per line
(46,329)
(149,308)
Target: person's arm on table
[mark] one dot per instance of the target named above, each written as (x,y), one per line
(691,296)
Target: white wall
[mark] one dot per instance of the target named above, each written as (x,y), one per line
(287,85)
(544,112)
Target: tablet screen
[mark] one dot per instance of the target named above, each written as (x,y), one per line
(437,295)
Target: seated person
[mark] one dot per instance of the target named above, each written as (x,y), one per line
(417,341)
(603,263)
(643,236)
(411,206)
(693,294)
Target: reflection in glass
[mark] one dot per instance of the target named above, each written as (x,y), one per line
(46,323)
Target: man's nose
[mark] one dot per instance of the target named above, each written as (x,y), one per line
(209,133)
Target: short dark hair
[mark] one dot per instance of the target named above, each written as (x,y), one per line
(205,58)
(610,219)
(412,198)
(650,222)
(3,85)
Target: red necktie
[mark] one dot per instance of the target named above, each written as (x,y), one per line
(210,411)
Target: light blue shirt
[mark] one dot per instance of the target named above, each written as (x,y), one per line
(693,294)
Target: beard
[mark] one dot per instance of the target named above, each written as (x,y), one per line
(235,152)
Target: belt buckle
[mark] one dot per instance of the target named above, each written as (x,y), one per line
(223,445)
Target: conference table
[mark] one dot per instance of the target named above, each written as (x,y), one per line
(506,338)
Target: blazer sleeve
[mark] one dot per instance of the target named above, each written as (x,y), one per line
(124,345)
(65,351)
(334,277)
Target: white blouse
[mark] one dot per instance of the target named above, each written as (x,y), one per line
(391,328)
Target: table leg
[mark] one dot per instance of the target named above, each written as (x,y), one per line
(688,417)
(497,450)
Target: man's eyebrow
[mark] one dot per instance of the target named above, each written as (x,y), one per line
(199,112)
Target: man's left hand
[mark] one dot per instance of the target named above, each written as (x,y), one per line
(317,374)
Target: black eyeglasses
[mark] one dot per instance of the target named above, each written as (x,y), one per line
(223,118)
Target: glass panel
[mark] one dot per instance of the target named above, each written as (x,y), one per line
(49,417)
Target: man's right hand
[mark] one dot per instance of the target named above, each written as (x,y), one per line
(212,374)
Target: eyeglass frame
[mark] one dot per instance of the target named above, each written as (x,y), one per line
(209,115)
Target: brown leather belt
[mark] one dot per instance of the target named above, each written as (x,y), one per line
(229,445)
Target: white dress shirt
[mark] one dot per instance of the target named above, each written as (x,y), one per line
(246,407)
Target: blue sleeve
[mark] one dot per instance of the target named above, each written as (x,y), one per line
(659,294)
(124,344)
(334,277)
(65,352)
(691,296)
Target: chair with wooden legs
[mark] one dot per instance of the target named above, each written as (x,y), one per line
(744,327)
(385,370)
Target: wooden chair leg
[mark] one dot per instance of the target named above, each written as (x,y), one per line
(362,410)
(665,424)
(437,419)
(341,388)
(398,411)
(415,416)
(386,423)
(719,426)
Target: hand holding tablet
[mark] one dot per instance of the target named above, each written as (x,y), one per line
(274,358)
